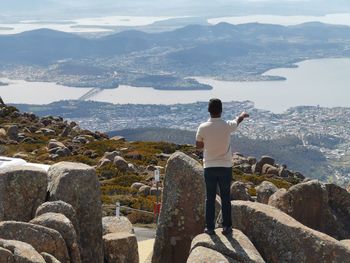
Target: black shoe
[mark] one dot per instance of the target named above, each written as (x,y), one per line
(227,231)
(210,232)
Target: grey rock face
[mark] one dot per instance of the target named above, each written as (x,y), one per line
(13,251)
(325,208)
(120,163)
(43,239)
(264,191)
(61,208)
(339,204)
(137,186)
(203,254)
(12,132)
(144,190)
(280,238)
(77,184)
(120,247)
(257,168)
(234,248)
(22,190)
(239,191)
(270,169)
(110,155)
(49,258)
(113,224)
(180,220)
(64,226)
(306,202)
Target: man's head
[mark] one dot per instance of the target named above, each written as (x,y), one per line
(215,108)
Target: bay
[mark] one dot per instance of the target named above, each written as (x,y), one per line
(324,82)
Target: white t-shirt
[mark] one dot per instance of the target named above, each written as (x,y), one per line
(216,136)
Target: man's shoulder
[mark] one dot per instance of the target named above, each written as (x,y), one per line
(203,124)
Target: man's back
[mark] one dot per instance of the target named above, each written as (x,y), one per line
(216,136)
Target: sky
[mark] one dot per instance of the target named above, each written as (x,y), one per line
(61,8)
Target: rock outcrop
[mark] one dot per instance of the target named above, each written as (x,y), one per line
(120,248)
(121,163)
(13,251)
(22,190)
(257,168)
(280,238)
(239,191)
(339,205)
(180,220)
(49,258)
(219,248)
(325,208)
(113,224)
(264,191)
(61,208)
(64,226)
(43,239)
(77,184)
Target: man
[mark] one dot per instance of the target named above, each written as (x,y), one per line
(214,137)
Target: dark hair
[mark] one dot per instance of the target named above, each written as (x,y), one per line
(215,106)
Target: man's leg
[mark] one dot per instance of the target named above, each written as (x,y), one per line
(210,182)
(225,179)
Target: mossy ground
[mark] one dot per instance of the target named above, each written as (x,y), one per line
(115,184)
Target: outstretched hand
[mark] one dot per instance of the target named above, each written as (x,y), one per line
(244,115)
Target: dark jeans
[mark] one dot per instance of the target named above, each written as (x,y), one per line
(223,177)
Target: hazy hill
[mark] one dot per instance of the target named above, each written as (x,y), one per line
(210,42)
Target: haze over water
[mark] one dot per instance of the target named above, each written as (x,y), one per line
(323,82)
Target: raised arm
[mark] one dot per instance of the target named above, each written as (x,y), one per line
(241,117)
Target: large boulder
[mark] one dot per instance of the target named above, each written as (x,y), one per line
(144,190)
(12,132)
(207,255)
(114,224)
(346,243)
(270,169)
(55,144)
(274,199)
(257,168)
(13,251)
(22,190)
(6,255)
(136,186)
(64,226)
(235,248)
(325,208)
(61,208)
(49,258)
(43,239)
(239,191)
(120,248)
(78,185)
(121,163)
(339,203)
(110,155)
(307,203)
(264,191)
(280,238)
(180,220)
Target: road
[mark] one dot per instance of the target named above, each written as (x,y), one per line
(144,233)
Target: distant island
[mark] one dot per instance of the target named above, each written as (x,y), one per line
(3,84)
(167,60)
